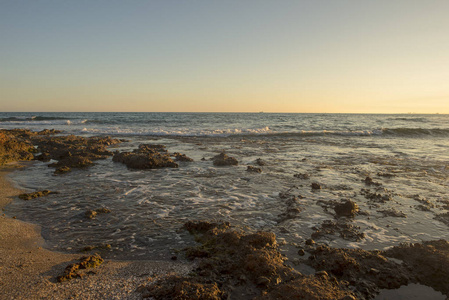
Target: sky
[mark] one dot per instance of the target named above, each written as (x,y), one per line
(357,56)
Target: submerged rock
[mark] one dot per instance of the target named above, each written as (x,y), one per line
(253,169)
(223,159)
(91,214)
(29,196)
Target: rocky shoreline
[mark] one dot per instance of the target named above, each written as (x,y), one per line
(227,263)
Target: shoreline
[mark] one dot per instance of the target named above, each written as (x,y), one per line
(27,270)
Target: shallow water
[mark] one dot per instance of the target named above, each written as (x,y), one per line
(337,151)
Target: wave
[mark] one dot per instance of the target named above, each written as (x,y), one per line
(264,132)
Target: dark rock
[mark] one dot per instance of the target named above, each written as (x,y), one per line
(260,162)
(62,170)
(315,186)
(310,242)
(91,214)
(347,208)
(301,252)
(428,261)
(302,175)
(33,195)
(223,159)
(145,160)
(182,157)
(253,169)
(369,181)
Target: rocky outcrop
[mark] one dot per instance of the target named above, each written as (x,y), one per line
(223,159)
(13,148)
(235,265)
(145,160)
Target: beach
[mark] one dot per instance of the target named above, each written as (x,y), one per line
(29,271)
(247,214)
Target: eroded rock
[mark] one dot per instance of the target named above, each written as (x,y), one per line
(223,159)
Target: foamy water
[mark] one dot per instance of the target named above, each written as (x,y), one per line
(149,207)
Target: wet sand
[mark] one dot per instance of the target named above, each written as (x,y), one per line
(29,271)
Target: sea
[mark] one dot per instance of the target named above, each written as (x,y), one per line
(405,155)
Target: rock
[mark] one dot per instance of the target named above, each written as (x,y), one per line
(301,252)
(182,157)
(347,209)
(62,170)
(260,162)
(74,270)
(321,273)
(262,280)
(91,214)
(148,159)
(310,242)
(30,196)
(315,186)
(302,176)
(223,159)
(369,181)
(253,169)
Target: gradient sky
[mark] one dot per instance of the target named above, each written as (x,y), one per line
(241,56)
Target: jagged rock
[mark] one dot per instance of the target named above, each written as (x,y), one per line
(29,196)
(148,160)
(347,208)
(182,157)
(223,159)
(74,270)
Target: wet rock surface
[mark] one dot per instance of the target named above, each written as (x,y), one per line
(428,261)
(347,208)
(365,271)
(223,159)
(13,147)
(253,169)
(341,227)
(235,265)
(29,196)
(147,156)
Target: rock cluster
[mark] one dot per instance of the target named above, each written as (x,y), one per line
(242,266)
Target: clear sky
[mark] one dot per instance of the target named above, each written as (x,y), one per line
(383,56)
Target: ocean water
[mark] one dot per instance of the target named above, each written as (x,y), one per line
(337,151)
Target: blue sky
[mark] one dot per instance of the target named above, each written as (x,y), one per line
(280,56)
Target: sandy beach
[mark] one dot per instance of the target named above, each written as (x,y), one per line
(29,271)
